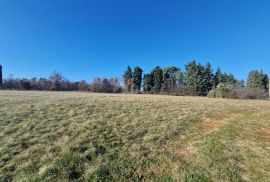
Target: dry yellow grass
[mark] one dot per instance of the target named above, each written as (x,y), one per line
(72,136)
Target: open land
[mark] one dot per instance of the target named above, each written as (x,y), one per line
(74,136)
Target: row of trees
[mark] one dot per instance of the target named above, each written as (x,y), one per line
(56,82)
(196,80)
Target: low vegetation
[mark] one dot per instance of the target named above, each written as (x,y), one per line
(61,136)
(236,92)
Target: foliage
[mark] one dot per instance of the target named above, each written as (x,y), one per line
(128,75)
(157,79)
(218,77)
(209,76)
(221,91)
(148,83)
(172,77)
(257,80)
(237,91)
(229,79)
(257,84)
(212,93)
(199,78)
(224,78)
(137,79)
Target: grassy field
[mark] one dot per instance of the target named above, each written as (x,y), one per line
(61,136)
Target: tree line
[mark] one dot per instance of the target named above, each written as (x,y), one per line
(196,79)
(55,82)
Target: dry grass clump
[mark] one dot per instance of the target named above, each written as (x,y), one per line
(63,136)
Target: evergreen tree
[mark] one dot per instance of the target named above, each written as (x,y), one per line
(170,78)
(148,82)
(199,78)
(229,78)
(128,78)
(266,81)
(257,80)
(218,77)
(192,76)
(180,78)
(157,79)
(209,77)
(137,79)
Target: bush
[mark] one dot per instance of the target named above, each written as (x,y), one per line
(222,91)
(246,93)
(175,94)
(181,91)
(212,94)
(236,92)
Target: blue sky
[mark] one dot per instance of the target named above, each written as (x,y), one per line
(88,38)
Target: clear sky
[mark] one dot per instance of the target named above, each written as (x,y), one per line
(87,38)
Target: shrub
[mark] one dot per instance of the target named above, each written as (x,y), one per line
(222,91)
(236,92)
(175,94)
(211,94)
(246,93)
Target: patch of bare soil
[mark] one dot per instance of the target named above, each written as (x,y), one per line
(264,133)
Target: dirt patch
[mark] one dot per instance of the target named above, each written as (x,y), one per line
(210,125)
(264,133)
(186,150)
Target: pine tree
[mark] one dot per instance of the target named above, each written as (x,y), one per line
(148,82)
(266,81)
(229,78)
(180,78)
(199,78)
(209,76)
(157,79)
(192,76)
(257,80)
(137,79)
(170,78)
(128,78)
(218,77)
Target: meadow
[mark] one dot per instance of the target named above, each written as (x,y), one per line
(76,136)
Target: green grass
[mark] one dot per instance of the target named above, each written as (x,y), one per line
(65,136)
